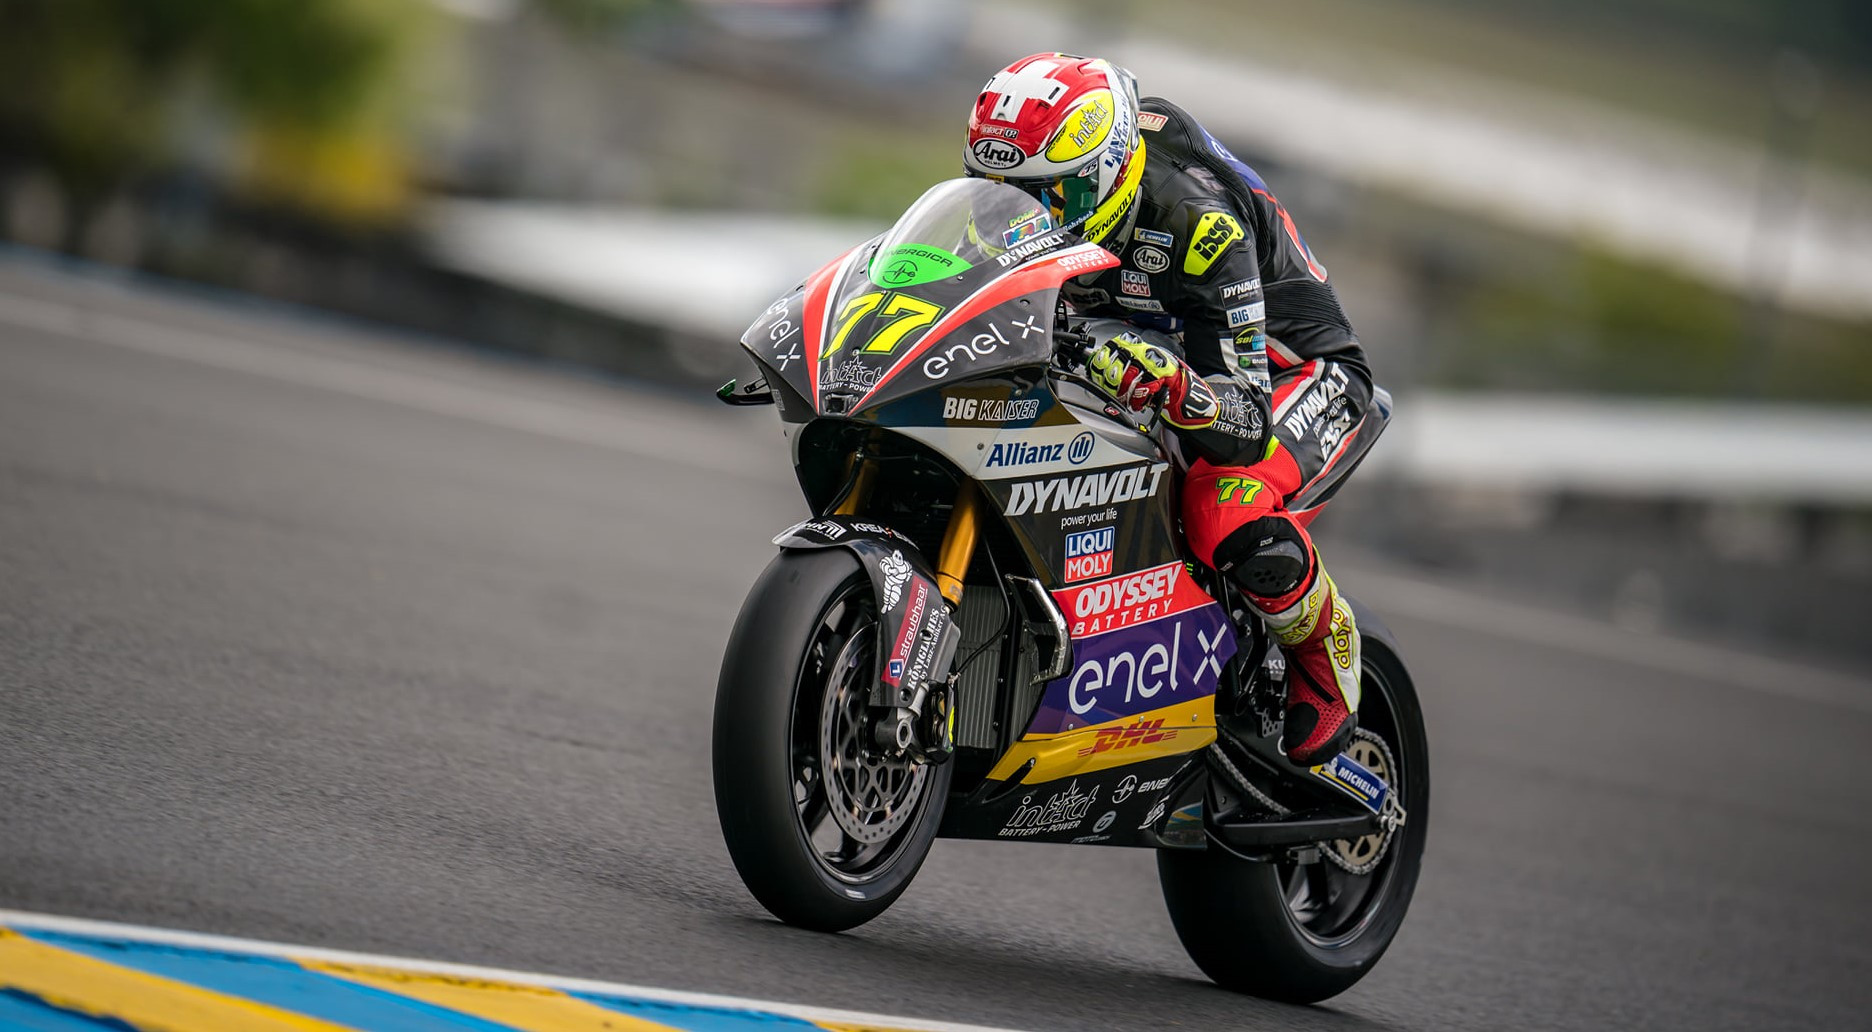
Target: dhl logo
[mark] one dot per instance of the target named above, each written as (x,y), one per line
(1144,732)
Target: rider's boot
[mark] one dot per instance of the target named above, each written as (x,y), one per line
(1274,562)
(1317,631)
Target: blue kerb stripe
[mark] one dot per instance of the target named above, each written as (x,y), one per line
(698,1019)
(22,1013)
(271,980)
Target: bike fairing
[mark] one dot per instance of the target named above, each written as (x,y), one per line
(1071,470)
(1109,747)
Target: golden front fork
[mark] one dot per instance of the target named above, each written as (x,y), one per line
(860,491)
(958,546)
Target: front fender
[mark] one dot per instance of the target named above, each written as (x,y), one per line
(916,636)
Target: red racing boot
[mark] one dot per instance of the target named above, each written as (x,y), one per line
(1315,627)
(1235,522)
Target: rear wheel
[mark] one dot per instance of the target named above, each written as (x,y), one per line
(1311,925)
(825,829)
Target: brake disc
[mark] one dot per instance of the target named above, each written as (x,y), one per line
(1362,855)
(871,794)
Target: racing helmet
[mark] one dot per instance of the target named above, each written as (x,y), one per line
(1065,130)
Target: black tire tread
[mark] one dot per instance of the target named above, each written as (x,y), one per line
(751,762)
(1231,914)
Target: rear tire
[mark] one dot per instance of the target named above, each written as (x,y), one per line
(1304,933)
(797,664)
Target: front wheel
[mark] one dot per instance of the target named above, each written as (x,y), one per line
(1307,928)
(826,829)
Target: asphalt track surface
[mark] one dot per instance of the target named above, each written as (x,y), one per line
(312,635)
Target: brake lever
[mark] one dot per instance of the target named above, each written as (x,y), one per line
(1073,345)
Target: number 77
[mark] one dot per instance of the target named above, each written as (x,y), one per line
(905,314)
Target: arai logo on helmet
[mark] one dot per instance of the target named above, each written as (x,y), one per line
(997,154)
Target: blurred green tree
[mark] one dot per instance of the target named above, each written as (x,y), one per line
(91,90)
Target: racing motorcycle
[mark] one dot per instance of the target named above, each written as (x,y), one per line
(991,628)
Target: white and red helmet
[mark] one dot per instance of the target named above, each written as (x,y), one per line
(1064,129)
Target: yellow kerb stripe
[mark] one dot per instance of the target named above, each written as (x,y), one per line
(148,1003)
(526,1007)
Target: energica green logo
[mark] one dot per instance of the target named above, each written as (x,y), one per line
(907,265)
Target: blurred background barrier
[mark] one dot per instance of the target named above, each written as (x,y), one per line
(1613,256)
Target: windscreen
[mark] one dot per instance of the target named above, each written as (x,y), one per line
(952,228)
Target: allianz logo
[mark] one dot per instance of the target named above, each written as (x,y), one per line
(1023,453)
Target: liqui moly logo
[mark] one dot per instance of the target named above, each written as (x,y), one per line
(1089,554)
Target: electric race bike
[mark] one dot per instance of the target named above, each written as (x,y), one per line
(992,630)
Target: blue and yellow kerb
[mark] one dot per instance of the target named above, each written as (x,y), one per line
(58,975)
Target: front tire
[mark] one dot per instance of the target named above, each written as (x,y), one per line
(1304,932)
(825,832)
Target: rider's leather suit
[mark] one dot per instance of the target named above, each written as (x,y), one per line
(1211,254)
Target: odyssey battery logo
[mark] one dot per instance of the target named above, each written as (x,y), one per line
(1089,554)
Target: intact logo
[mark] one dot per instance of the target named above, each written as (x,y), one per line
(1089,554)
(1143,732)
(1065,810)
(1151,236)
(995,153)
(1151,259)
(1134,282)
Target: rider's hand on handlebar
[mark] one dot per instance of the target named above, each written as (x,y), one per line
(1138,375)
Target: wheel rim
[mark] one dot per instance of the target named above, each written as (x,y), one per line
(1330,905)
(854,806)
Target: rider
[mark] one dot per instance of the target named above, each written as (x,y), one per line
(1209,253)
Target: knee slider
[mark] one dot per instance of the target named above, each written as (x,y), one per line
(1268,558)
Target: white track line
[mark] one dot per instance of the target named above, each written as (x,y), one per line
(255,947)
